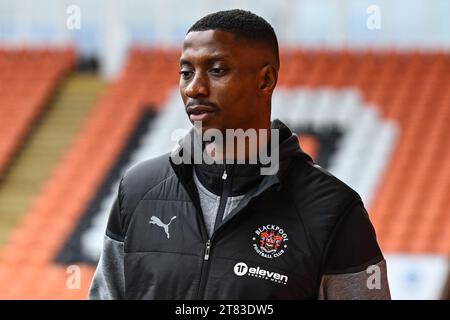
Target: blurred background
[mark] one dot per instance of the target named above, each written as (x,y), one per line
(88,88)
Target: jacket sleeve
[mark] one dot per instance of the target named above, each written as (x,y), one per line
(354,266)
(109,279)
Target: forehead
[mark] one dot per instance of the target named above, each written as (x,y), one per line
(210,43)
(209,38)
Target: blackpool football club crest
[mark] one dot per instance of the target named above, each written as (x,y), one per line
(270,241)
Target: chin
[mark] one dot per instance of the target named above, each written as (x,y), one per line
(206,126)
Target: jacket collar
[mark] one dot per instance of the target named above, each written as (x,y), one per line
(245,176)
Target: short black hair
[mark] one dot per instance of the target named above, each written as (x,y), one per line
(243,24)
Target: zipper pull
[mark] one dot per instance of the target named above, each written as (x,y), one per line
(207,250)
(224,175)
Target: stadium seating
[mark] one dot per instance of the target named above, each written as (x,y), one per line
(28,78)
(410,211)
(410,208)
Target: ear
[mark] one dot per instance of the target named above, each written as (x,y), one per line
(268,77)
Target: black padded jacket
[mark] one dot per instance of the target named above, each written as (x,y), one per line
(289,231)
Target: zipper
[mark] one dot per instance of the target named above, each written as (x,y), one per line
(207,250)
(226,192)
(205,266)
(204,271)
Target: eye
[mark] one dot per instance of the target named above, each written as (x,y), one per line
(186,74)
(217,71)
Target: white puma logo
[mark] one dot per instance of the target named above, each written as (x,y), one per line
(159,223)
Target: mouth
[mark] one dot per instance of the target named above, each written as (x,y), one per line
(201,112)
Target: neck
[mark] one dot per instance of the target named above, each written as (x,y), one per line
(240,146)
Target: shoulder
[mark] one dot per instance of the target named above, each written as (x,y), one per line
(142,178)
(147,173)
(312,185)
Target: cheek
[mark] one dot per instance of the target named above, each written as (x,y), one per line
(234,92)
(183,96)
(242,100)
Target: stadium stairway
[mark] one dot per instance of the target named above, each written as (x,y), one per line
(49,139)
(28,79)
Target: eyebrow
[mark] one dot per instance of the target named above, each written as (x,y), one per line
(210,59)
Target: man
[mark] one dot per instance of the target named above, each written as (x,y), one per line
(222,230)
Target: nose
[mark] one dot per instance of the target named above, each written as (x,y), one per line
(198,86)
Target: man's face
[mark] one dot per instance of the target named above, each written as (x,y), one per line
(219,80)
